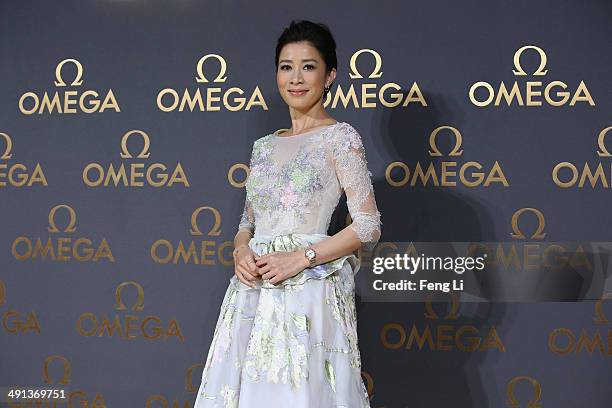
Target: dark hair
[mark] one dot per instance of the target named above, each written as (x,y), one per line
(318,34)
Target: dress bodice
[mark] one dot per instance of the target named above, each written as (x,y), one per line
(295,183)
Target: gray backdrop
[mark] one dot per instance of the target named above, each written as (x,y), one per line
(133,329)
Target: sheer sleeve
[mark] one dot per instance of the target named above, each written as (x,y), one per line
(352,170)
(247,220)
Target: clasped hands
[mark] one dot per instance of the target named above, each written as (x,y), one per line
(275,266)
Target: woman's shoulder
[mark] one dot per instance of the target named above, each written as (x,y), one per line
(263,138)
(346,136)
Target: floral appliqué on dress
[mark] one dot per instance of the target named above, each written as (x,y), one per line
(295,343)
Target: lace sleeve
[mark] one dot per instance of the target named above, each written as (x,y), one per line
(352,170)
(247,220)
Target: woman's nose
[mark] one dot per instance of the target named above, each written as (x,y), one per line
(297,77)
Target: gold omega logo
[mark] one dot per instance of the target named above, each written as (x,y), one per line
(59,81)
(144,153)
(458,141)
(71,225)
(376,73)
(518,234)
(222,69)
(517,63)
(215,230)
(139,305)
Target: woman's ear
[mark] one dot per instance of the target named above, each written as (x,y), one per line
(332,77)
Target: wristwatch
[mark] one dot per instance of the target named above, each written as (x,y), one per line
(311,255)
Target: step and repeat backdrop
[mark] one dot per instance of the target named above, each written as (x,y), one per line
(125,133)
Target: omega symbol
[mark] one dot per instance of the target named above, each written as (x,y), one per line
(376,73)
(517,63)
(200,69)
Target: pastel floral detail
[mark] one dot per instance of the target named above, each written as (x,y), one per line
(284,335)
(301,321)
(355,140)
(356,180)
(280,192)
(341,299)
(290,179)
(222,338)
(274,353)
(223,343)
(330,374)
(230,397)
(279,341)
(289,198)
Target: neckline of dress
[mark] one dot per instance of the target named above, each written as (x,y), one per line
(305,133)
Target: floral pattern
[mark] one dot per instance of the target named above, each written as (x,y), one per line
(281,191)
(295,184)
(295,343)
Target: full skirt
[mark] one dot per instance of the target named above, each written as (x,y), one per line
(292,344)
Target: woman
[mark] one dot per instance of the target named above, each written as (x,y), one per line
(287,331)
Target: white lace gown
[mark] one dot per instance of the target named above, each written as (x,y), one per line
(294,344)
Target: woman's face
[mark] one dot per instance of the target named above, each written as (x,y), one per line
(301,75)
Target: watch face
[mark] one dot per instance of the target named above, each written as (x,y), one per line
(310,253)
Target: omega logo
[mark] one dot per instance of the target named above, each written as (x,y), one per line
(154,174)
(18,174)
(373,95)
(518,234)
(128,326)
(71,101)
(61,248)
(565,341)
(596,174)
(535,402)
(199,251)
(214,98)
(530,256)
(443,336)
(471,173)
(555,92)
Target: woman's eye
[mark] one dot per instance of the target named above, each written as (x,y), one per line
(308,65)
(285,66)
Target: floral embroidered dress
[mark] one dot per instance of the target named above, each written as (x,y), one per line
(294,344)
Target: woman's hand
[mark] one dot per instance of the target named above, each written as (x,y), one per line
(245,268)
(281,265)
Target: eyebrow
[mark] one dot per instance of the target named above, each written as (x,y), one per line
(304,60)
